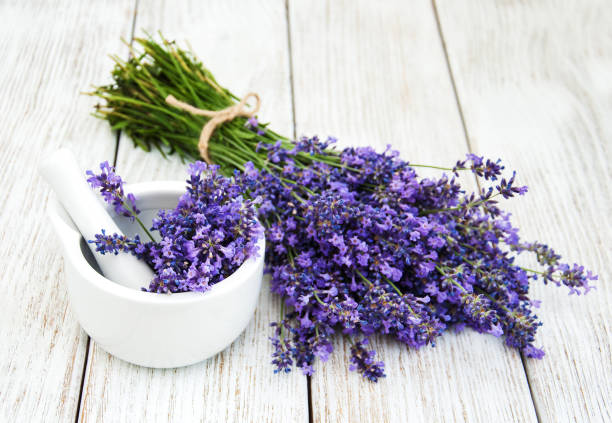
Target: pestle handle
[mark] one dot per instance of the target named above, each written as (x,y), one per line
(90,216)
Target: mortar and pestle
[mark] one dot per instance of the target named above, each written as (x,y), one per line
(144,328)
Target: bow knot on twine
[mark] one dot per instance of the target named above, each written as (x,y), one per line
(217,117)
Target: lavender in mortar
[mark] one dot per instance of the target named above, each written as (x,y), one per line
(209,234)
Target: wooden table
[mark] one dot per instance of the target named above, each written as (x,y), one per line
(530,82)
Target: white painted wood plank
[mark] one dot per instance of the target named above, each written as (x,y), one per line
(534,84)
(373,73)
(245,45)
(50,52)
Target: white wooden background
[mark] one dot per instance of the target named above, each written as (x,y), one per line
(530,82)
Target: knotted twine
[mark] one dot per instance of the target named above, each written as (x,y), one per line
(217,117)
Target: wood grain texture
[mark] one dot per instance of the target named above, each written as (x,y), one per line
(50,52)
(371,74)
(534,85)
(245,45)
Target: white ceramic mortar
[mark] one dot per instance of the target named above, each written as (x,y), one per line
(148,329)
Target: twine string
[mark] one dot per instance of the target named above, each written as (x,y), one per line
(217,117)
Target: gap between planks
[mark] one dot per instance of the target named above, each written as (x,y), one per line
(292,96)
(470,149)
(77,416)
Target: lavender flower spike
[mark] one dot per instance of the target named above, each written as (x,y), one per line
(110,186)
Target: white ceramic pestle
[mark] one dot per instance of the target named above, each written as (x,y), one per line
(90,216)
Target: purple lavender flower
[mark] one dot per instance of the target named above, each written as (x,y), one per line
(482,317)
(507,188)
(363,361)
(110,186)
(520,326)
(489,170)
(281,357)
(114,244)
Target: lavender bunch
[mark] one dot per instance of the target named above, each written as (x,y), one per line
(358,243)
(369,247)
(209,234)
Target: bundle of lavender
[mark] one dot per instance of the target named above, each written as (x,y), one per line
(358,243)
